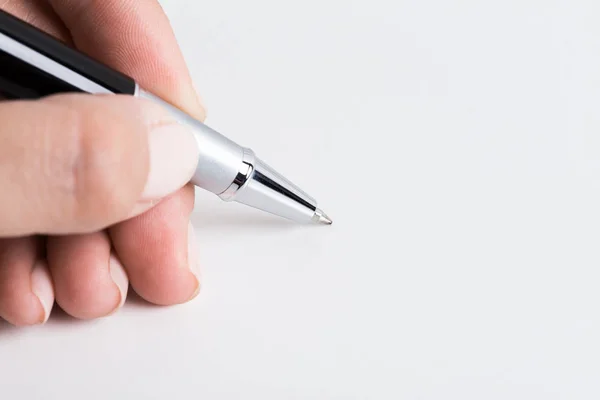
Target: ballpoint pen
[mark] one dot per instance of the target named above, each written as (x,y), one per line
(34,64)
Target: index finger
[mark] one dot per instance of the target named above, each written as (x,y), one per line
(135,38)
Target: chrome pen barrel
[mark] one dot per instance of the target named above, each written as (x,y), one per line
(234,173)
(219,159)
(259,186)
(37,65)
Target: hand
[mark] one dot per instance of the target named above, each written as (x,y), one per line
(93,196)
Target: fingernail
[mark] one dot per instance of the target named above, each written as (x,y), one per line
(194,257)
(119,277)
(173,160)
(41,285)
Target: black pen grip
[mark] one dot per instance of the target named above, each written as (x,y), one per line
(22,78)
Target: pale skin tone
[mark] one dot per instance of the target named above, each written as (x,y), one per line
(75,229)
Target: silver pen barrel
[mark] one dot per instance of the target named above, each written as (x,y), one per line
(46,66)
(234,173)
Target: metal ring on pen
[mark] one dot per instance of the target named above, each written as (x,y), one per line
(243,176)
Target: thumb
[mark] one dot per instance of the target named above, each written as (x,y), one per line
(79,163)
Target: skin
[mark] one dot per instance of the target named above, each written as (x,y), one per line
(134,37)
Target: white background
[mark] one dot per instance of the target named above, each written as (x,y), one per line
(455,143)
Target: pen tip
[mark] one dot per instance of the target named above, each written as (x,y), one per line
(322,218)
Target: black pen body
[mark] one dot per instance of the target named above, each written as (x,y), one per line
(34,64)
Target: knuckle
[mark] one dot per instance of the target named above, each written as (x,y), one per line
(90,166)
(83,301)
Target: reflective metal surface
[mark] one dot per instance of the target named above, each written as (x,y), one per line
(243,176)
(267,190)
(219,161)
(235,174)
(321,218)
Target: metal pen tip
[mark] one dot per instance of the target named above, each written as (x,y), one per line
(322,218)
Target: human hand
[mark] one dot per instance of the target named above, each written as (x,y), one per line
(93,197)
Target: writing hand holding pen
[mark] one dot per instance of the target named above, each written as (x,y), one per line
(94,165)
(94,194)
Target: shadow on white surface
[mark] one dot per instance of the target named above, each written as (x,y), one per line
(242,221)
(59,318)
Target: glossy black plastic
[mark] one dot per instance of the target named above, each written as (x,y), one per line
(19,80)
(52,48)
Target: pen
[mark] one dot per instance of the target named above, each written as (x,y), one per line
(33,64)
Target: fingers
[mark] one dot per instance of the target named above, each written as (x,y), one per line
(39,14)
(160,253)
(90,282)
(112,32)
(134,37)
(26,288)
(78,163)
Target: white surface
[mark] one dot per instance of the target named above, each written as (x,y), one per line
(455,144)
